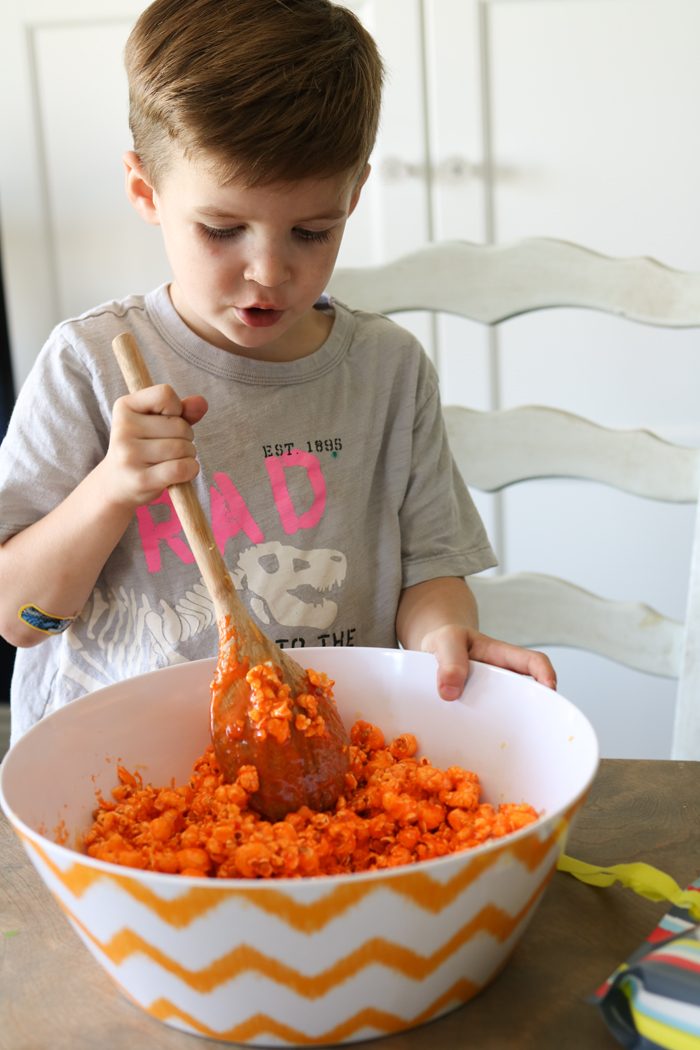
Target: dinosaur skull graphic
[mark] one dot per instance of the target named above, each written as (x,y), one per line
(289,586)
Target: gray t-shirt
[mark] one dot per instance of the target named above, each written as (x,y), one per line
(328,481)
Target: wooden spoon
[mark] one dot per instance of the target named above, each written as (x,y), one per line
(309,766)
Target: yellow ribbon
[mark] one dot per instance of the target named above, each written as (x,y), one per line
(641,878)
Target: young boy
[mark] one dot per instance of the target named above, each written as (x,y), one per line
(321,454)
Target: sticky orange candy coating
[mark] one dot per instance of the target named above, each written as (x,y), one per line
(271,706)
(397,809)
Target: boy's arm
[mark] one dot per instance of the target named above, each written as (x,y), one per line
(53,564)
(440,616)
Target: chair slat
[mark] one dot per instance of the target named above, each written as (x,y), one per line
(532,609)
(491,283)
(686,728)
(496,449)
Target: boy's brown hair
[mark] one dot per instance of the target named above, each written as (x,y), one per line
(270,90)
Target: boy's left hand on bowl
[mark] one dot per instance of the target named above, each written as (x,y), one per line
(453,646)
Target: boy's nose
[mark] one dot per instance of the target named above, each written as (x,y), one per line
(266,268)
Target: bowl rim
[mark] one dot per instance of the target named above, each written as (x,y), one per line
(26,832)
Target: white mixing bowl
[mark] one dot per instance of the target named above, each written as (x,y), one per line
(298,962)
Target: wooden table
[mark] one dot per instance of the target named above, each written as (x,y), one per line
(54,995)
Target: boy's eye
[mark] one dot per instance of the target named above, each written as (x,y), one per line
(219,233)
(316,236)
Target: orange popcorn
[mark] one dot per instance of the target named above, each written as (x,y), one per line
(270,707)
(397,809)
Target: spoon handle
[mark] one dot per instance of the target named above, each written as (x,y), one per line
(252,642)
(185,500)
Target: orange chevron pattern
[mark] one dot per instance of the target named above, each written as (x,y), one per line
(376,951)
(369,1018)
(79,878)
(308,918)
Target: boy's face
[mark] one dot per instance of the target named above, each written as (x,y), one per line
(248,263)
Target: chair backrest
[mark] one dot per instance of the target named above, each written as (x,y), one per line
(490,284)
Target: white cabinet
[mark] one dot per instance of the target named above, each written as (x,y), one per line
(573,118)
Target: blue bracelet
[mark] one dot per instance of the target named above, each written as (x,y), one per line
(43,621)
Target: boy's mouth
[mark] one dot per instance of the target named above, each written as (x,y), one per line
(258,316)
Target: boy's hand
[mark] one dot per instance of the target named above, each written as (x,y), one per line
(453,646)
(151,444)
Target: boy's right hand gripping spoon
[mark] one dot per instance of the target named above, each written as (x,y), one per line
(291,733)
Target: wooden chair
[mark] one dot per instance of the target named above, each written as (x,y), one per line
(491,284)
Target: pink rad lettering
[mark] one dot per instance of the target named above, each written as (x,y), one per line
(154,532)
(230,515)
(277,466)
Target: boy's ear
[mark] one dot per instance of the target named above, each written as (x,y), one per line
(357,189)
(138,188)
